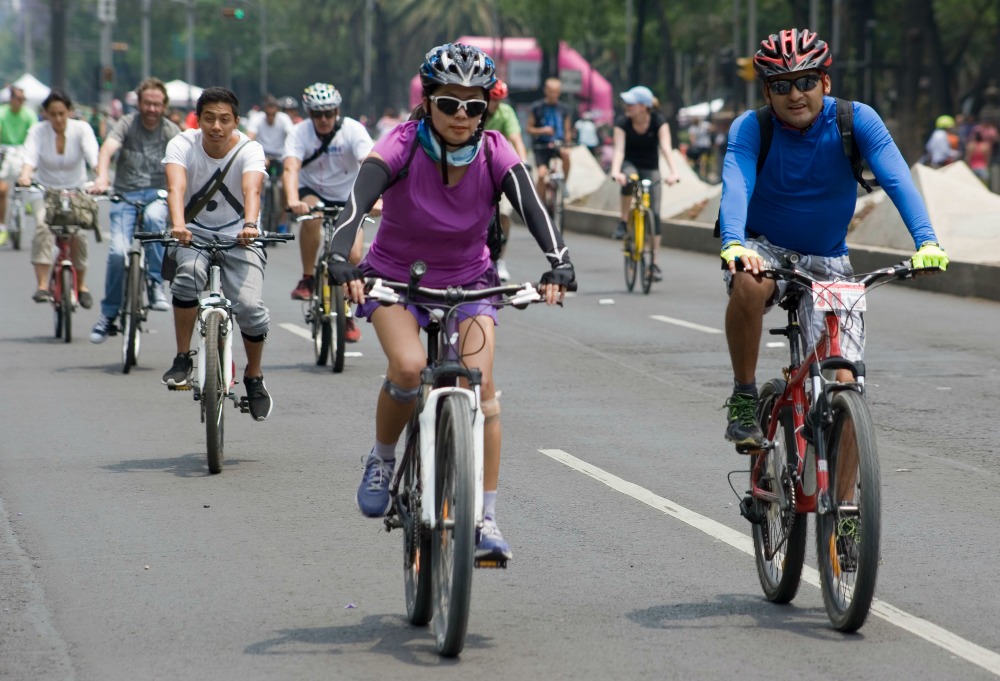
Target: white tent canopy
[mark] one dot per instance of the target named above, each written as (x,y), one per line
(700,110)
(35,91)
(181,94)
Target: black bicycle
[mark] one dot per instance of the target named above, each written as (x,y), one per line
(326,311)
(135,303)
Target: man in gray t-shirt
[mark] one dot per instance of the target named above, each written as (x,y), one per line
(140,140)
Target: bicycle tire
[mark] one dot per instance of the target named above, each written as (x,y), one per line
(558,210)
(14,230)
(132,313)
(454,541)
(213,394)
(780,573)
(416,540)
(320,316)
(647,250)
(631,263)
(848,600)
(338,327)
(66,302)
(266,206)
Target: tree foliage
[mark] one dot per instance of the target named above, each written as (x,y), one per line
(911,59)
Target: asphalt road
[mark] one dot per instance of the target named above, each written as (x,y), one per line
(121,558)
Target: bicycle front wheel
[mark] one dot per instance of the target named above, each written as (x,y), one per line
(320,316)
(647,250)
(132,313)
(338,337)
(66,302)
(454,542)
(416,539)
(847,538)
(779,535)
(213,393)
(15,227)
(631,257)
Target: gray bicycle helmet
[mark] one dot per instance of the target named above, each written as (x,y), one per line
(321,97)
(457,64)
(792,50)
(288,103)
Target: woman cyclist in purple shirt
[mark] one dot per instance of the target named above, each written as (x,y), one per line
(439,212)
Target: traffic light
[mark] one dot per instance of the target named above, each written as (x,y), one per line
(744,69)
(237,13)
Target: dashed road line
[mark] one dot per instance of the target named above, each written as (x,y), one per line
(687,325)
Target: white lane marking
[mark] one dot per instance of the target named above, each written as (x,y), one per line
(932,633)
(307,334)
(687,325)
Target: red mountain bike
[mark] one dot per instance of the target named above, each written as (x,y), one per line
(819,456)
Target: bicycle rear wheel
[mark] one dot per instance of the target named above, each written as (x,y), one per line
(132,312)
(66,302)
(338,337)
(779,536)
(213,393)
(454,542)
(416,539)
(320,316)
(647,250)
(847,539)
(631,263)
(15,227)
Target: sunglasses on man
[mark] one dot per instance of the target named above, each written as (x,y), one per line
(323,114)
(802,84)
(451,105)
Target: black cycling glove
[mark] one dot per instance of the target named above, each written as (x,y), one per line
(561,275)
(341,271)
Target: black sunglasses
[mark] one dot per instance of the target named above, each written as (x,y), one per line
(451,105)
(802,84)
(322,114)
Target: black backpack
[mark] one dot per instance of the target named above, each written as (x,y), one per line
(845,123)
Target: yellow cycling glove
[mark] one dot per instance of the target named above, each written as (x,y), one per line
(930,255)
(736,251)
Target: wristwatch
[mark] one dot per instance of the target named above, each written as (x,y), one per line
(250,224)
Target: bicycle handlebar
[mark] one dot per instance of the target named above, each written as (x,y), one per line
(223,244)
(902,270)
(115,197)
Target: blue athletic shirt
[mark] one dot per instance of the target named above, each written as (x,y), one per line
(806,194)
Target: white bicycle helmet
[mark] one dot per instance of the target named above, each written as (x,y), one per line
(321,97)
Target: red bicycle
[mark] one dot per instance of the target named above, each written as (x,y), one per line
(820,455)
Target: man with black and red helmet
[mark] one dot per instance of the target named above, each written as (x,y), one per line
(801,200)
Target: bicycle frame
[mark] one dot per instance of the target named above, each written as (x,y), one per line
(214,304)
(640,200)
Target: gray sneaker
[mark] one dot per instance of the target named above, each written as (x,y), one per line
(179,373)
(258,398)
(157,298)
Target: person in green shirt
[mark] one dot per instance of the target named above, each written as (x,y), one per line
(15,120)
(502,118)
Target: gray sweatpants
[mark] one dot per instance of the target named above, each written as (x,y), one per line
(242,283)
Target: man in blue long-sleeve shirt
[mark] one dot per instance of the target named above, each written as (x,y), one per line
(801,201)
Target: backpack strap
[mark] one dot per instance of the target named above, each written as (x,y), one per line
(324,146)
(766,134)
(405,170)
(845,123)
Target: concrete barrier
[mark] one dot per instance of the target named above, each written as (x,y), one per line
(961,279)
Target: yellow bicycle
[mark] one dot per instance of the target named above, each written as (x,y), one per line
(638,242)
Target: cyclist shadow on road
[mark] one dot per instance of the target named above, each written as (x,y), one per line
(186,466)
(388,634)
(737,610)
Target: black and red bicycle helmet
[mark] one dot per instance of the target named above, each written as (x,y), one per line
(792,50)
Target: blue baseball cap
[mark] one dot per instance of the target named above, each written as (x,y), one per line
(640,94)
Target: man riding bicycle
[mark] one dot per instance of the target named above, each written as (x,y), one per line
(271,128)
(550,125)
(15,121)
(323,155)
(801,201)
(139,139)
(216,154)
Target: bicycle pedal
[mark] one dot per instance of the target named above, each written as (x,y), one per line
(748,512)
(491,563)
(244,405)
(177,387)
(753,449)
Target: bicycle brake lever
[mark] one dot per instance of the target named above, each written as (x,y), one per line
(529,294)
(383,294)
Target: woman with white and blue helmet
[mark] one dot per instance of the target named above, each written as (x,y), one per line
(439,211)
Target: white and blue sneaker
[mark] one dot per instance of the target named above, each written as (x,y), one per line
(373,492)
(490,544)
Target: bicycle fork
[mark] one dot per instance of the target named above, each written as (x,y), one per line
(428,450)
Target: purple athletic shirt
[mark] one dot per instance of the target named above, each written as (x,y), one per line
(422,219)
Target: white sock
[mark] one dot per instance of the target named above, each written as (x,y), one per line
(490,505)
(386,453)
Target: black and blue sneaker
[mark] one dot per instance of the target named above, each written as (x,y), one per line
(373,492)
